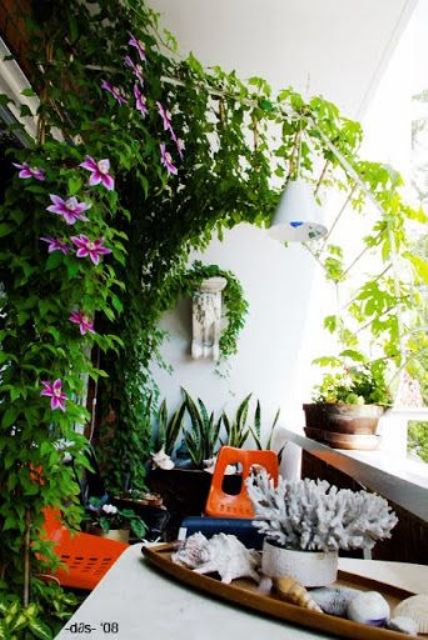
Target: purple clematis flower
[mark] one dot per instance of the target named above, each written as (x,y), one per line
(29,172)
(166,117)
(53,390)
(92,248)
(136,68)
(166,160)
(140,101)
(115,92)
(54,244)
(139,45)
(85,323)
(70,209)
(99,172)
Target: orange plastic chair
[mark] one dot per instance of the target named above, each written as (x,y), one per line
(84,558)
(224,505)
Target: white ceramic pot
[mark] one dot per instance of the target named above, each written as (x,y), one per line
(310,568)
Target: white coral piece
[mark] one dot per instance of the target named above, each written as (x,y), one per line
(305,514)
(222,554)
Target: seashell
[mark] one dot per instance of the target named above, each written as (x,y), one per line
(415,607)
(189,553)
(292,591)
(222,554)
(369,607)
(265,585)
(404,625)
(209,466)
(161,460)
(334,600)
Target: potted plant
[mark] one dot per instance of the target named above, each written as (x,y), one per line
(306,523)
(109,521)
(185,478)
(348,402)
(183,483)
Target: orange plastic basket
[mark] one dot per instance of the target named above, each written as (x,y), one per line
(85,558)
(224,505)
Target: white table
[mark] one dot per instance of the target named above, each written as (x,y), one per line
(147,605)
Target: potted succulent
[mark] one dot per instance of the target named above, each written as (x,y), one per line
(348,402)
(182,475)
(306,523)
(109,521)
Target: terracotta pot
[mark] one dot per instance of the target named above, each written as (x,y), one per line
(342,418)
(357,441)
(314,416)
(310,568)
(352,418)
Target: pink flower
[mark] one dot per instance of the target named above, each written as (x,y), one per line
(140,103)
(70,209)
(85,323)
(139,45)
(55,393)
(115,92)
(54,244)
(29,172)
(136,68)
(92,248)
(99,172)
(166,117)
(166,160)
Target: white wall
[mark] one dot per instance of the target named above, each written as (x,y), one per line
(343,46)
(340,47)
(275,344)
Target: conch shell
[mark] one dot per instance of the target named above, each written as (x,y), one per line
(222,554)
(415,607)
(161,460)
(292,591)
(209,467)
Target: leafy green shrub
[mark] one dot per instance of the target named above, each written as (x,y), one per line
(418,439)
(363,383)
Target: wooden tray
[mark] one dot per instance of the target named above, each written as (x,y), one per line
(243,592)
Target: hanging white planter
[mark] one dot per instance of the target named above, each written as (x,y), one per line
(310,568)
(298,217)
(206,318)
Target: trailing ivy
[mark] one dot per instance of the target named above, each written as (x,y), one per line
(235,304)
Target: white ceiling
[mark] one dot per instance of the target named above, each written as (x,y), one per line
(337,48)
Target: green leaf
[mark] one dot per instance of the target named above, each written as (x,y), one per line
(25,111)
(257,419)
(40,629)
(9,417)
(420,265)
(5,229)
(54,260)
(74,185)
(353,355)
(29,92)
